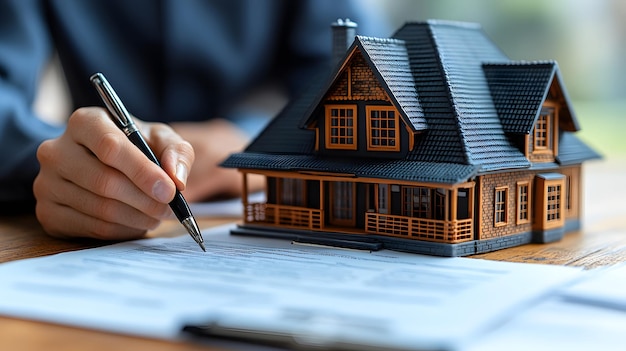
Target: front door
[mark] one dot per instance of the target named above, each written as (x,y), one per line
(342,204)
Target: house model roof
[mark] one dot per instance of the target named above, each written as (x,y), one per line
(449,82)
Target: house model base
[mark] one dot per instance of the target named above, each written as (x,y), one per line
(432,141)
(374,242)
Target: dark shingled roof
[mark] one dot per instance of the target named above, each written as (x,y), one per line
(282,134)
(391,62)
(459,110)
(449,173)
(518,90)
(573,151)
(450,82)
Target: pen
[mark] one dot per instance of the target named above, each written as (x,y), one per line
(122,119)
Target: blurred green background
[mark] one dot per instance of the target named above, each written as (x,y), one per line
(586,38)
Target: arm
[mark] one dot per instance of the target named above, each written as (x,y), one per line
(24,49)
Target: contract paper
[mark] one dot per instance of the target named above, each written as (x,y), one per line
(381,299)
(587,315)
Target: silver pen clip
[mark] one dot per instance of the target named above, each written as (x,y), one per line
(121,117)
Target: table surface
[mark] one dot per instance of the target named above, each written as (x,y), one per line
(601,242)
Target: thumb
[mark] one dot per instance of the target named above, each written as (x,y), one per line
(174,153)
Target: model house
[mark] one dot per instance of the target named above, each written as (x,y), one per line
(432,141)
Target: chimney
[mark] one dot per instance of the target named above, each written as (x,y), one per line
(344,32)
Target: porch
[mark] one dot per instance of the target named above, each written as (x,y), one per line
(455,231)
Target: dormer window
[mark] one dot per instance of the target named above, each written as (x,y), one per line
(542,129)
(543,146)
(541,132)
(382,124)
(341,127)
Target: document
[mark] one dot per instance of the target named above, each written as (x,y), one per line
(589,314)
(318,295)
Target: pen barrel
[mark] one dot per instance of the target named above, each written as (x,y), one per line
(137,139)
(178,204)
(179,207)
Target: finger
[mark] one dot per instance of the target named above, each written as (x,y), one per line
(55,218)
(78,166)
(92,128)
(52,191)
(175,154)
(106,209)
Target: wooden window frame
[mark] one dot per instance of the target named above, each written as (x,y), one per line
(549,210)
(501,207)
(554,195)
(341,140)
(548,117)
(523,203)
(395,139)
(541,132)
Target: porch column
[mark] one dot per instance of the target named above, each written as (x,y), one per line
(470,201)
(453,201)
(446,216)
(244,197)
(322,202)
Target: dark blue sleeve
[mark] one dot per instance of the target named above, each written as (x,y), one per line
(25,47)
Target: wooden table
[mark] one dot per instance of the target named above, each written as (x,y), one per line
(602,241)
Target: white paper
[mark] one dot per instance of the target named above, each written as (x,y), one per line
(589,314)
(385,299)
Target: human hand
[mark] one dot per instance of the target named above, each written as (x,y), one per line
(213,141)
(93,182)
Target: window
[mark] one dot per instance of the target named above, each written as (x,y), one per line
(292,192)
(541,132)
(341,127)
(553,208)
(416,202)
(549,201)
(545,133)
(501,206)
(523,211)
(382,124)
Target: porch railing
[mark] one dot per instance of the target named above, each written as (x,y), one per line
(400,226)
(285,216)
(419,228)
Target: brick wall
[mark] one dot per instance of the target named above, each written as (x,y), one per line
(339,90)
(364,85)
(486,191)
(487,185)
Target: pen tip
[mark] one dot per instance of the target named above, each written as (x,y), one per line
(192,227)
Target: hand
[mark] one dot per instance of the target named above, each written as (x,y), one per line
(93,182)
(213,141)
